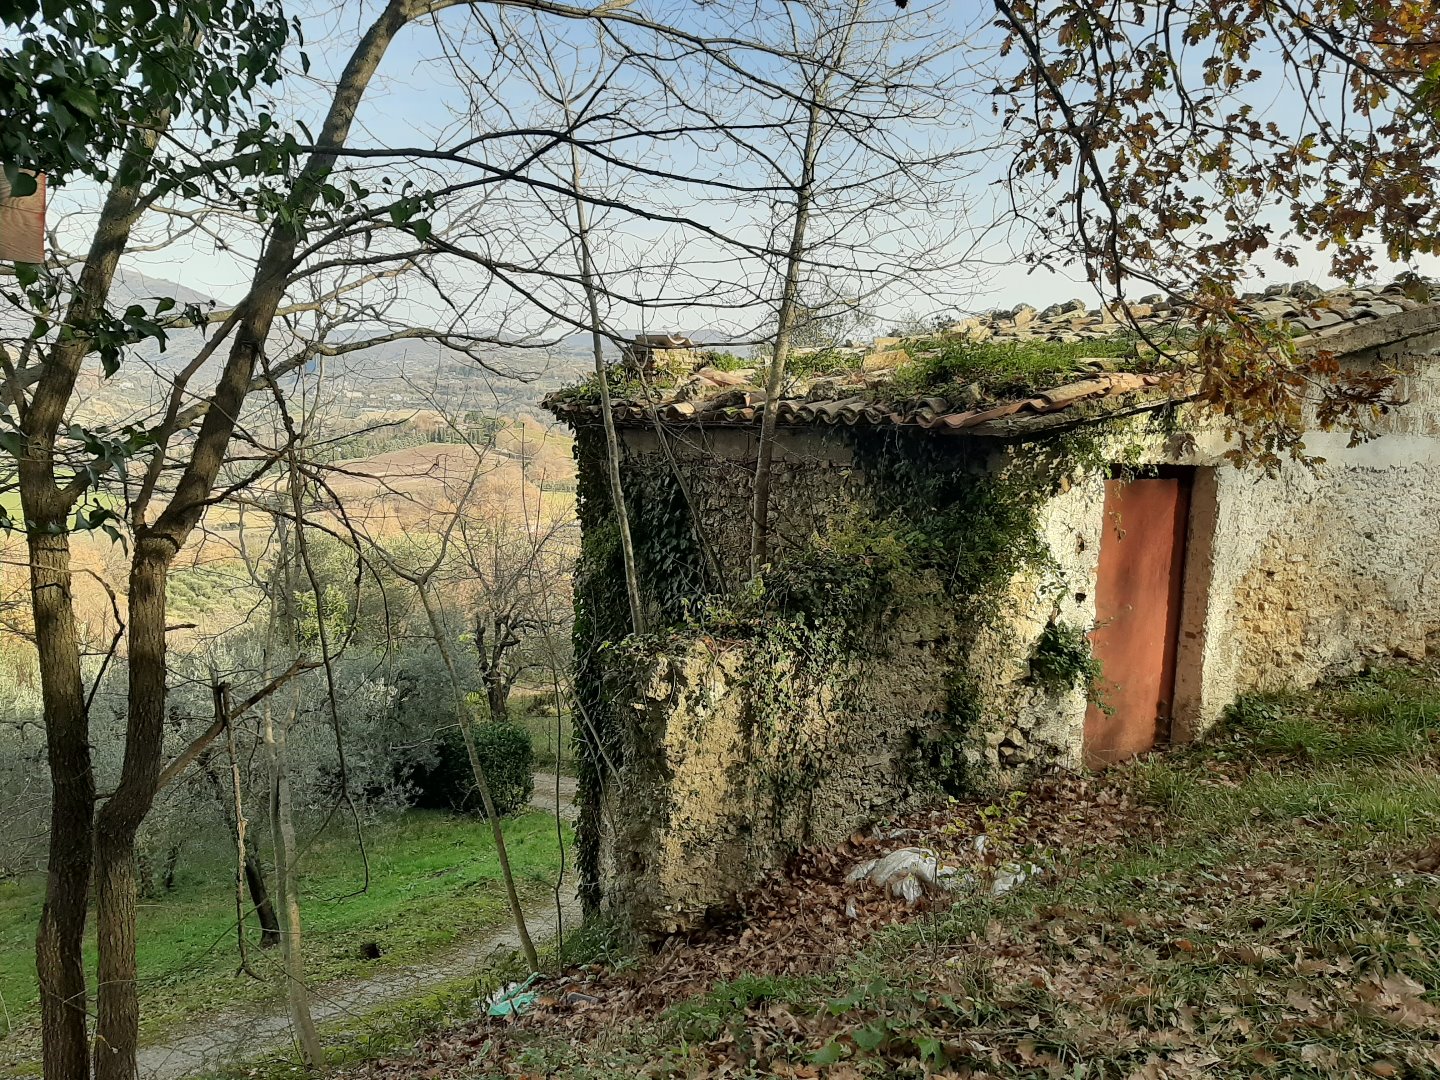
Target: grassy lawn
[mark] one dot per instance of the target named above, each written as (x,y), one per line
(552,743)
(1266,904)
(434,880)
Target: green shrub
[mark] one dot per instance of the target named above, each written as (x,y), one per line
(506,756)
(1063,659)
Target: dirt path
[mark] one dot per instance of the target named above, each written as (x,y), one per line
(543,797)
(240,1035)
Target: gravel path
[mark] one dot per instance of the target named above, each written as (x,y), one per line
(544,795)
(240,1035)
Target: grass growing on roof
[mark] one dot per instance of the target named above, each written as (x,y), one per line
(949,364)
(817,362)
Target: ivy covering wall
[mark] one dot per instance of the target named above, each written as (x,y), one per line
(919,546)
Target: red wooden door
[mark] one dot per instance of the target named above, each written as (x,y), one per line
(1137,608)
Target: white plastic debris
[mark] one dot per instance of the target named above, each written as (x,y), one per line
(1009,875)
(512,1000)
(908,873)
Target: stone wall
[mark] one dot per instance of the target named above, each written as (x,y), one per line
(813,482)
(732,751)
(721,781)
(739,745)
(818,485)
(1027,725)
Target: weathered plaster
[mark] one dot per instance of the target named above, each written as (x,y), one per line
(1287,579)
(1314,572)
(718,787)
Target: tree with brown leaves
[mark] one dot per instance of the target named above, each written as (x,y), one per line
(1166,144)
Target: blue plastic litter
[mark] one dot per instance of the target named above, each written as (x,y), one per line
(515,999)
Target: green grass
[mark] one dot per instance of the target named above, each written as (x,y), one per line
(818,363)
(723,360)
(395,1027)
(948,364)
(553,744)
(434,880)
(1275,926)
(390,1028)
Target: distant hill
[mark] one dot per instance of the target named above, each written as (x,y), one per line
(131,286)
(400,374)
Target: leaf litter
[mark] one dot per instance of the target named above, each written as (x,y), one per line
(1151,946)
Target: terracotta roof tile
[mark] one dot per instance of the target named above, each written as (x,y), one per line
(1341,319)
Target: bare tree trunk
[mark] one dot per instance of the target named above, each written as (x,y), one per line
(118,1016)
(248,876)
(254,874)
(59,943)
(607,417)
(282,826)
(775,378)
(282,820)
(462,716)
(172,864)
(117,1027)
(237,822)
(559,820)
(497,697)
(260,901)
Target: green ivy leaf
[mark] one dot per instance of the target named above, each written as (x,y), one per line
(871,1036)
(828,1054)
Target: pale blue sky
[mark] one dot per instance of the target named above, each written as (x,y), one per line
(417,96)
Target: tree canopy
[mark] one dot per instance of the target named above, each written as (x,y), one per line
(1169,143)
(83,77)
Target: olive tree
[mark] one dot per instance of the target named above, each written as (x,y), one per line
(163,112)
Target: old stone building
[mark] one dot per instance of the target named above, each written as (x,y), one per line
(966,582)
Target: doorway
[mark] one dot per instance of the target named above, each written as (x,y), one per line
(1138,595)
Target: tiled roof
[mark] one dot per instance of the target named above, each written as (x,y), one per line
(1343,319)
(743,408)
(1302,306)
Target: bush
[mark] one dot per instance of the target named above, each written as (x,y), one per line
(1063,659)
(506,756)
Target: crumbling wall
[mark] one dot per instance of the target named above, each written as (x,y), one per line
(758,719)
(1029,723)
(721,782)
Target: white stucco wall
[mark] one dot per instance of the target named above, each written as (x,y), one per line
(1312,573)
(1288,579)
(1315,572)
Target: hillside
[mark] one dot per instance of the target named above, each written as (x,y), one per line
(1262,905)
